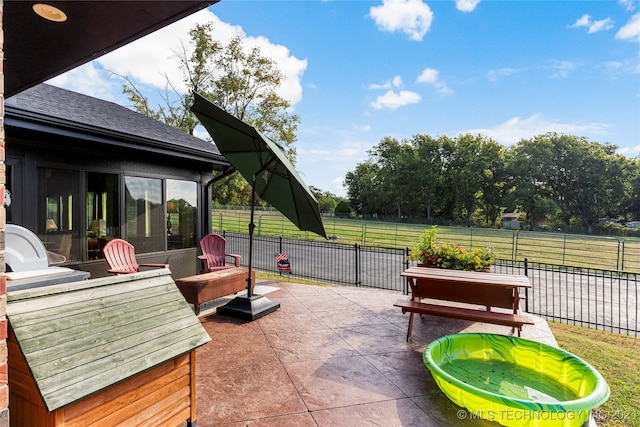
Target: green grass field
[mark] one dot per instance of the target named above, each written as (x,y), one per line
(610,253)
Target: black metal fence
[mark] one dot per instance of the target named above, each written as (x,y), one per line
(597,298)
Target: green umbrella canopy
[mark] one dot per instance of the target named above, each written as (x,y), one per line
(254,154)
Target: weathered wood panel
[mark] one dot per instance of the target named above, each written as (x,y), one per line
(81,339)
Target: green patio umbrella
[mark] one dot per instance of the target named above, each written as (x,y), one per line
(264,164)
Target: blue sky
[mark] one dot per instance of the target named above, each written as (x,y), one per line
(358,71)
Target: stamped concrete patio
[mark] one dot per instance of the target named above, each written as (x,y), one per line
(330,356)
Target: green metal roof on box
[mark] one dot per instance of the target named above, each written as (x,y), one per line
(83,337)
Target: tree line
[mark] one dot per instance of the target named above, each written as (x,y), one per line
(552,179)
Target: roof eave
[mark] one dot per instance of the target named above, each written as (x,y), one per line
(18,118)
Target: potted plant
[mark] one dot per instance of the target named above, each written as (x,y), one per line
(430,253)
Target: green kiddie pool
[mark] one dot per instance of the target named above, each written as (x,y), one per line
(515,381)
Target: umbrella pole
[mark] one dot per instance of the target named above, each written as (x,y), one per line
(252,306)
(252,227)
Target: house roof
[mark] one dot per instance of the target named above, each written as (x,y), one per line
(36,49)
(82,337)
(59,111)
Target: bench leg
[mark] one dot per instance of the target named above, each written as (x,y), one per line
(197,308)
(410,325)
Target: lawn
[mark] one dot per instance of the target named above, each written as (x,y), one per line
(604,252)
(617,358)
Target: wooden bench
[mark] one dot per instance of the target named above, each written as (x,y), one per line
(209,286)
(507,319)
(484,289)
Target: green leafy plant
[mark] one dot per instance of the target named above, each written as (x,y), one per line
(431,253)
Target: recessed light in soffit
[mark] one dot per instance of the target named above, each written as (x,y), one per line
(50,13)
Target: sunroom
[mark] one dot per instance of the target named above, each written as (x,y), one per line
(82,171)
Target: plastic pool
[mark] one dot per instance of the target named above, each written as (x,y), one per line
(515,381)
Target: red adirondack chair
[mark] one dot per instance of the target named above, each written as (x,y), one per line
(214,256)
(121,257)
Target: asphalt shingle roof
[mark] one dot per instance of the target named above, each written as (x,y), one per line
(64,108)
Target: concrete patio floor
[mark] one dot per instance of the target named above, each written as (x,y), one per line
(329,356)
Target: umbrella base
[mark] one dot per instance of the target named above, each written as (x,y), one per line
(248,308)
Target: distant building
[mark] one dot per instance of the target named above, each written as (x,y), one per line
(510,221)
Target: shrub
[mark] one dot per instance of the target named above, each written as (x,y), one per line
(448,255)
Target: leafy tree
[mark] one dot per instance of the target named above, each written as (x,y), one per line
(326,201)
(343,209)
(630,205)
(494,189)
(432,157)
(362,188)
(241,81)
(527,166)
(396,161)
(469,168)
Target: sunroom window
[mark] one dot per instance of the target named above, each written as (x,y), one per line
(145,224)
(182,213)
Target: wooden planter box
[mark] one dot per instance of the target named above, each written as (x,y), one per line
(205,287)
(117,351)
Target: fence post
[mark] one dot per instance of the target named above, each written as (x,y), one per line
(526,290)
(357,263)
(364,233)
(407,252)
(620,261)
(280,245)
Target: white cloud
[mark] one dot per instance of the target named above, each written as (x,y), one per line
(395,82)
(593,26)
(430,76)
(88,80)
(631,31)
(362,128)
(466,5)
(292,67)
(412,17)
(146,60)
(392,100)
(627,4)
(493,75)
(516,128)
(562,68)
(629,151)
(338,185)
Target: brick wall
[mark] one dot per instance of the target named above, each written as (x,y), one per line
(4,388)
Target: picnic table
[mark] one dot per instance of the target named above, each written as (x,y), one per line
(487,290)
